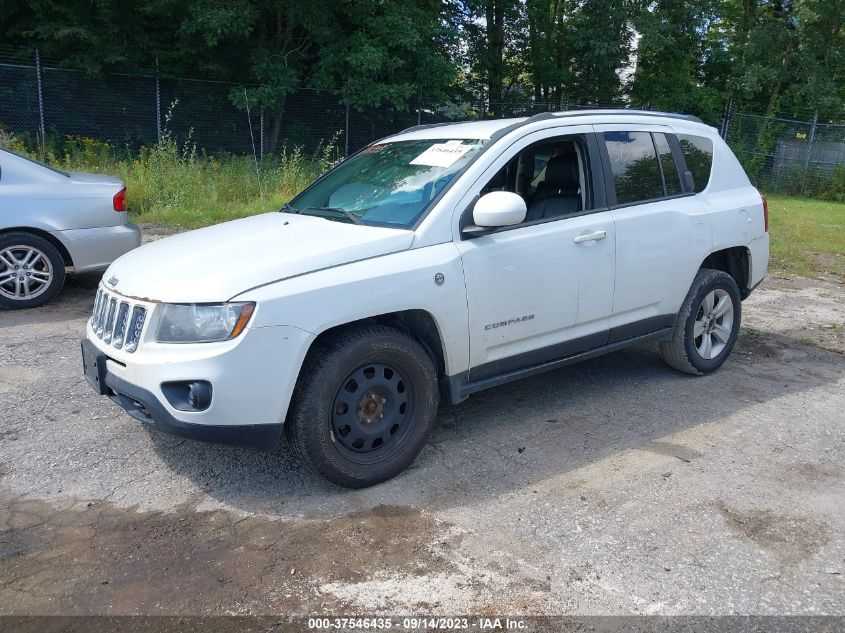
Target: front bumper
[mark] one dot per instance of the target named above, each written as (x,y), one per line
(252,377)
(146,408)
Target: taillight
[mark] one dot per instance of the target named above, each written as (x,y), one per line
(120,200)
(765,212)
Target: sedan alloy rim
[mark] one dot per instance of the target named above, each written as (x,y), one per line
(25,272)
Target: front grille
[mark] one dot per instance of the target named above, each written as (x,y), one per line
(117,322)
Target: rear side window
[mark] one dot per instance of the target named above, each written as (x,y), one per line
(698,153)
(633,162)
(667,161)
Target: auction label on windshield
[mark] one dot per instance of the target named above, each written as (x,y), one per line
(442,154)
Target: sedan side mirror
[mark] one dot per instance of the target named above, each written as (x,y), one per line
(499,208)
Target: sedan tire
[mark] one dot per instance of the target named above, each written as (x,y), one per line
(32,271)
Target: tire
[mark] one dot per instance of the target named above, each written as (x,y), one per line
(703,338)
(364,405)
(32,271)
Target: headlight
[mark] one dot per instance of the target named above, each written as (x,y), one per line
(202,322)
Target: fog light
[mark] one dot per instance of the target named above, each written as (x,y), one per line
(188,395)
(199,395)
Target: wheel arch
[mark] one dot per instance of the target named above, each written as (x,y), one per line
(420,324)
(735,261)
(68,260)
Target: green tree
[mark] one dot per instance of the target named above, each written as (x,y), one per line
(677,41)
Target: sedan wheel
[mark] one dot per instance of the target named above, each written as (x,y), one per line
(32,270)
(25,272)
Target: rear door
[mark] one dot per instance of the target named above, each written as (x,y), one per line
(662,231)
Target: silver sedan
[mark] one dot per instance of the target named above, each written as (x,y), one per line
(52,222)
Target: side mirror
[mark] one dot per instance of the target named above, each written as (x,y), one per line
(499,208)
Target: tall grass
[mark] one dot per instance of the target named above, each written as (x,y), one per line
(174,184)
(807,236)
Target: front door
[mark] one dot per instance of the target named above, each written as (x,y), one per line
(541,290)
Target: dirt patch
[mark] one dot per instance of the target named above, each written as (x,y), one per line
(153,232)
(809,311)
(14,378)
(791,539)
(102,559)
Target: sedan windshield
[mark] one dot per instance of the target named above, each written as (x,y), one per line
(389,184)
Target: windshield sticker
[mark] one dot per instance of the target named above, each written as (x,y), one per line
(441,154)
(372,149)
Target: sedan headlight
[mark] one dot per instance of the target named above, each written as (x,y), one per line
(202,322)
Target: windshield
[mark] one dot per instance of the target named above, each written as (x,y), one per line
(389,184)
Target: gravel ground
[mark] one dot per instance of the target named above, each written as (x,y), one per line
(616,486)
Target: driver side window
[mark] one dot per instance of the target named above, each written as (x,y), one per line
(551,176)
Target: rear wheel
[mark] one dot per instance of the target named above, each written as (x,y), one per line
(364,405)
(707,325)
(32,270)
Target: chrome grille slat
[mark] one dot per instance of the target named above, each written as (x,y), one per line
(101,317)
(136,324)
(120,323)
(97,300)
(109,326)
(117,322)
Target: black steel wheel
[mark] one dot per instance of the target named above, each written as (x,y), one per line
(364,405)
(372,412)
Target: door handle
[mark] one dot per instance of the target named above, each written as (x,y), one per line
(590,237)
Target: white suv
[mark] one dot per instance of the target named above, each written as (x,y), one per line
(430,265)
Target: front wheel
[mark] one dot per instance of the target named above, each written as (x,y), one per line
(707,325)
(364,405)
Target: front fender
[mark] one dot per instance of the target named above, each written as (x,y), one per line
(408,280)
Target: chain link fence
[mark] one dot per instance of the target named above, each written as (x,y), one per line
(40,101)
(789,156)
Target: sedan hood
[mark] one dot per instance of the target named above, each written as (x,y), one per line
(222,261)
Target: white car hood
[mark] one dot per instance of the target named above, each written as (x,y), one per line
(222,261)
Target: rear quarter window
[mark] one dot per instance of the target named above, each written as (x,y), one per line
(698,154)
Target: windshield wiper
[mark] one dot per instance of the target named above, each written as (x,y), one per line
(329,212)
(287,208)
